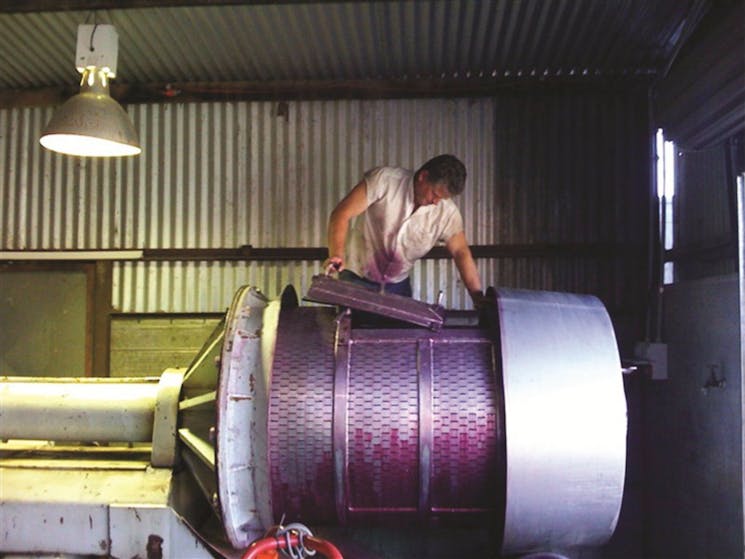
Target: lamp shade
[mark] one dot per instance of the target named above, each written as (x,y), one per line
(91,123)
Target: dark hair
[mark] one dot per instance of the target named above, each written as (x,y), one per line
(446,169)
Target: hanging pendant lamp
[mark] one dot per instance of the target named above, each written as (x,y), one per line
(91,123)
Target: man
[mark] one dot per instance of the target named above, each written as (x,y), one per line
(405,215)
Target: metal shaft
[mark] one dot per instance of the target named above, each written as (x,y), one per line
(100,410)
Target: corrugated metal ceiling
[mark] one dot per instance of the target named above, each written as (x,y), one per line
(342,41)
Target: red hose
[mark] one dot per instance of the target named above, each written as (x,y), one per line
(260,546)
(274,543)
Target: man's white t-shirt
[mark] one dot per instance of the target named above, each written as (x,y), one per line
(390,236)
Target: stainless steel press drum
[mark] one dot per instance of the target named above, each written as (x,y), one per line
(519,422)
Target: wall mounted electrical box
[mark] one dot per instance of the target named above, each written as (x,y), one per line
(654,356)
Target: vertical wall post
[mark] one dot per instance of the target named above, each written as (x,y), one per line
(741,276)
(100,318)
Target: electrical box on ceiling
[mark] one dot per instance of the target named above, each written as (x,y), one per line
(97,47)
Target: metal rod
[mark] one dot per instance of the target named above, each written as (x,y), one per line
(248,253)
(61,410)
(207,399)
(201,448)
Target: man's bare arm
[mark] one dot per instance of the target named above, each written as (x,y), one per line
(351,206)
(469,273)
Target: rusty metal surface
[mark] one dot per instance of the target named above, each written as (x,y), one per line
(68,510)
(241,412)
(380,424)
(325,289)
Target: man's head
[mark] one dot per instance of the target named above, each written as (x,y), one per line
(439,178)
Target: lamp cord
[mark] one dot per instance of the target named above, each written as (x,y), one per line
(95,26)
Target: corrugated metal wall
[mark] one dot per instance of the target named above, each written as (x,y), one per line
(704,213)
(573,169)
(219,175)
(216,175)
(558,166)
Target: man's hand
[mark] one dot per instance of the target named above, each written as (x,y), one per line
(480,301)
(333,264)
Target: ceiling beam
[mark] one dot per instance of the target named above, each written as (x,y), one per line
(307,89)
(18,6)
(313,90)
